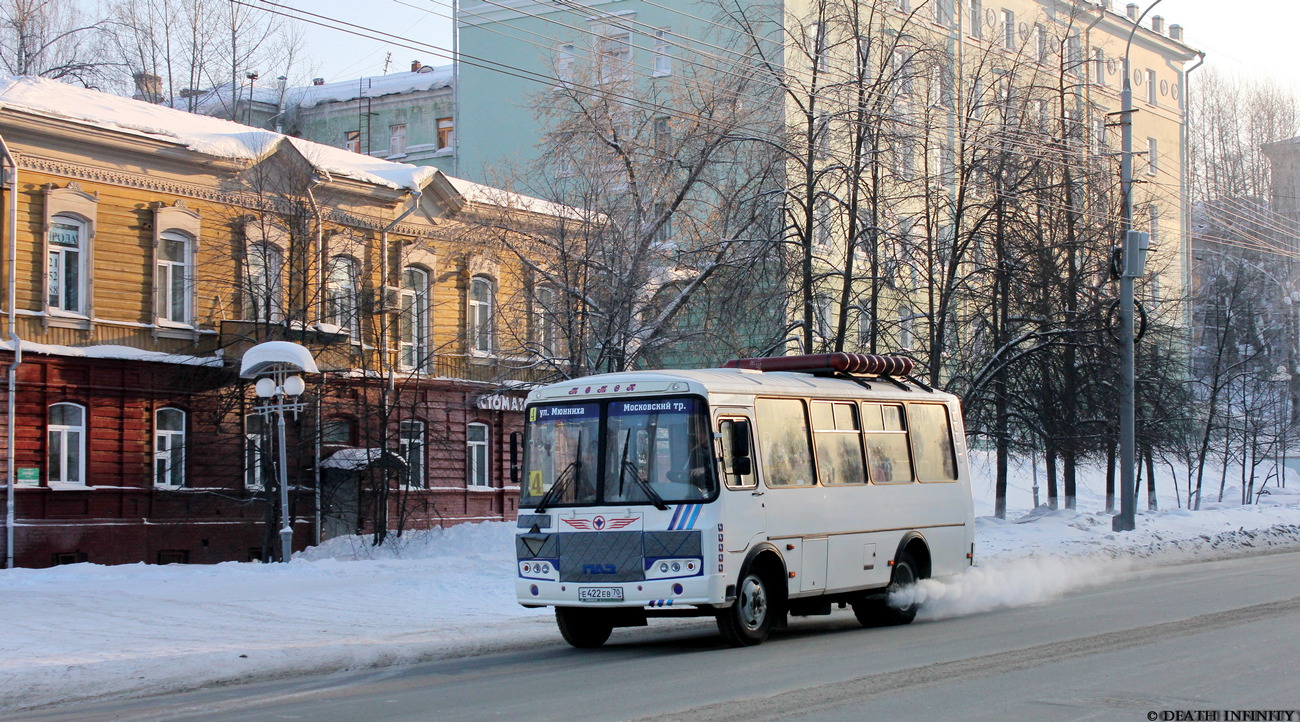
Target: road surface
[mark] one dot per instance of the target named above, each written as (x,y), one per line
(1216,636)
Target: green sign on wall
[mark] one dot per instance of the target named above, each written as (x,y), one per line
(29,475)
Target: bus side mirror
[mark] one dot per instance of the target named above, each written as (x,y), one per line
(514,458)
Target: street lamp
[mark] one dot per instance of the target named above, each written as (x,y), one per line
(277,366)
(1134,250)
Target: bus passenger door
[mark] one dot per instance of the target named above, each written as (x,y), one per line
(743,513)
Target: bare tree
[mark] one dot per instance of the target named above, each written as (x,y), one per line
(52,39)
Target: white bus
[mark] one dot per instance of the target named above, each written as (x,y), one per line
(779,486)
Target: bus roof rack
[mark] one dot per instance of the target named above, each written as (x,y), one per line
(869,364)
(891,368)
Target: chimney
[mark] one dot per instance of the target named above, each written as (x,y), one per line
(416,65)
(1132,10)
(1176,32)
(1105,5)
(148,87)
(1158,24)
(317,81)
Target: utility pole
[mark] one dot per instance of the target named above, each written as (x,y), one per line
(1134,259)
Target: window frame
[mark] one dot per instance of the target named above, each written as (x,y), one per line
(55,272)
(663,53)
(480,321)
(397,140)
(166,455)
(272,293)
(478,476)
(63,430)
(905,432)
(343,300)
(409,444)
(164,280)
(446,134)
(254,454)
(413,327)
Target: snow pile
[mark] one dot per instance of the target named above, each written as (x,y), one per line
(94,631)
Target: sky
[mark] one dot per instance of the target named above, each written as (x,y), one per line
(1249,37)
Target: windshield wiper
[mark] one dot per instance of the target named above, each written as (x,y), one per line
(569,473)
(654,497)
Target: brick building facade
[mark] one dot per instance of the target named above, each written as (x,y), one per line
(153,247)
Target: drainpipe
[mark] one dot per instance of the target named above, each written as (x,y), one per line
(10,514)
(1183,190)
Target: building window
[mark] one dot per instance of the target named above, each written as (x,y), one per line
(476,442)
(904,327)
(1153,227)
(821,235)
(352,140)
(341,294)
(975,17)
(67,264)
(664,217)
(945,11)
(1151,87)
(864,330)
(480,315)
(1153,157)
(663,133)
(817,46)
(1074,60)
(1040,43)
(257,450)
(446,134)
(410,446)
(615,57)
(397,139)
(336,432)
(663,53)
(169,448)
(263,290)
(67,444)
(174,278)
(1099,66)
(822,322)
(1008,29)
(546,334)
(564,56)
(413,324)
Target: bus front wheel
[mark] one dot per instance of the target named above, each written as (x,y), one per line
(900,602)
(748,621)
(581,628)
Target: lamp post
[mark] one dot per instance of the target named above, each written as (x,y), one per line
(278,367)
(280,391)
(1134,249)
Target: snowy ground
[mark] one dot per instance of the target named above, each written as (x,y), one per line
(86,631)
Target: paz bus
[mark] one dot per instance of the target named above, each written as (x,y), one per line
(766,488)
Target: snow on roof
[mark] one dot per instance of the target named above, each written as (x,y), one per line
(357,459)
(479,193)
(201,133)
(374,86)
(127,353)
(266,356)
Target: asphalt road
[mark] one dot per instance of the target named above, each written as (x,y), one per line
(1218,636)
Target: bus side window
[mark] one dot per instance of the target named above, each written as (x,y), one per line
(737,453)
(885,434)
(932,445)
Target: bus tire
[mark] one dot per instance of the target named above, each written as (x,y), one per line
(879,612)
(748,621)
(581,628)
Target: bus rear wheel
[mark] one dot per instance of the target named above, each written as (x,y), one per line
(748,621)
(880,612)
(582,628)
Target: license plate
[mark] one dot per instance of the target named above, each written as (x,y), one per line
(600,594)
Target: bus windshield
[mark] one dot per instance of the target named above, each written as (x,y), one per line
(627,451)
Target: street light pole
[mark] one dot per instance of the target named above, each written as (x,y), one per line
(1131,269)
(281,391)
